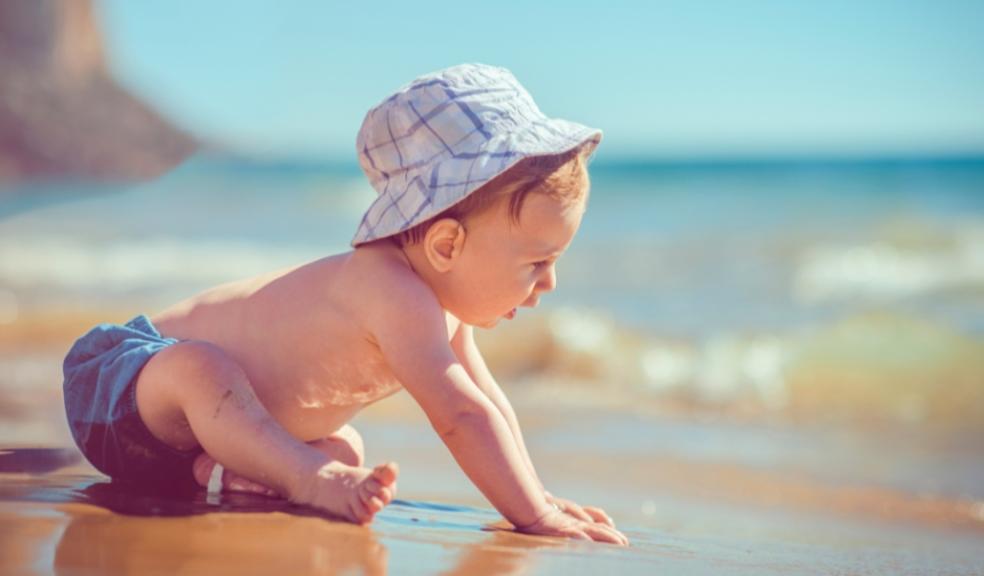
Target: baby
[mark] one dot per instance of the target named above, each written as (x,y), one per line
(479,195)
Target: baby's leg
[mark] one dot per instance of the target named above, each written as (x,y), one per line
(193,393)
(345,446)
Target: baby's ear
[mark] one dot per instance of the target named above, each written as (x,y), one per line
(443,243)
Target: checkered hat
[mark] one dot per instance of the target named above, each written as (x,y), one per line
(445,134)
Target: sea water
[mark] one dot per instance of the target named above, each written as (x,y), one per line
(720,281)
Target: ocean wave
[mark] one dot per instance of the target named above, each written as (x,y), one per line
(885,270)
(69,263)
(863,368)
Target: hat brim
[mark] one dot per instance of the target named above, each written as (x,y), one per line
(452,179)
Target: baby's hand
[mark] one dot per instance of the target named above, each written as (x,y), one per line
(586,513)
(557,523)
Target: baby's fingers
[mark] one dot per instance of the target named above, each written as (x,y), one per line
(602,533)
(579,535)
(598,515)
(576,511)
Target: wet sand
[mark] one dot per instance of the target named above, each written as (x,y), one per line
(686,512)
(696,492)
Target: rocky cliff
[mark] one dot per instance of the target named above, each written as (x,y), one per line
(62,115)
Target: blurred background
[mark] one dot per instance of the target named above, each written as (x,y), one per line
(782,263)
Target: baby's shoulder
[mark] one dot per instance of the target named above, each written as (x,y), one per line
(389,290)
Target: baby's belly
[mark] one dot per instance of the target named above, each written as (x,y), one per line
(311,409)
(311,423)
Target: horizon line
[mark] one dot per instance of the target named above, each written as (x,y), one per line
(629,160)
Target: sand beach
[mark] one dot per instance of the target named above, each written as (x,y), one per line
(683,515)
(695,496)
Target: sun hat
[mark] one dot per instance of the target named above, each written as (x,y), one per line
(444,135)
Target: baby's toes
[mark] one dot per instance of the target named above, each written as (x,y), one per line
(370,488)
(366,505)
(373,496)
(201,468)
(244,485)
(374,505)
(385,494)
(382,493)
(386,473)
(360,511)
(371,485)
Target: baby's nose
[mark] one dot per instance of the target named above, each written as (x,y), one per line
(548,282)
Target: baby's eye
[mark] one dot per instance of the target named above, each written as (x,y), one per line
(541,263)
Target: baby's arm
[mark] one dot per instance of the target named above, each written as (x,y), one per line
(467,351)
(414,340)
(412,335)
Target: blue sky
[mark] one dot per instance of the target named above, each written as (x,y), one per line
(666,79)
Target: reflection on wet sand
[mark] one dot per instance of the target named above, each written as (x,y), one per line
(242,541)
(37,460)
(97,541)
(707,516)
(505,553)
(100,527)
(27,532)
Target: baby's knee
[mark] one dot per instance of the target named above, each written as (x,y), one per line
(345,445)
(176,379)
(352,437)
(193,369)
(205,360)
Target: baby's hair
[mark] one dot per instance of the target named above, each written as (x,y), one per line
(562,176)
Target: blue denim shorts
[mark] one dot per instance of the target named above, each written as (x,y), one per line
(101,371)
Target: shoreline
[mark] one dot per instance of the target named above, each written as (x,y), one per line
(699,518)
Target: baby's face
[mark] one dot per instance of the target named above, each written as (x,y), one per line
(505,265)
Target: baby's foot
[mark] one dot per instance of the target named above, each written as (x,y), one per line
(204,467)
(351,492)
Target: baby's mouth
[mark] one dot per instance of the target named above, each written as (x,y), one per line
(511,314)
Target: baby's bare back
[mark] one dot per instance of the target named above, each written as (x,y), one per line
(300,336)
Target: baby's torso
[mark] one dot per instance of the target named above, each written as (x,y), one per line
(301,338)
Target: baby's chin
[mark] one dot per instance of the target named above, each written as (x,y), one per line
(488,324)
(495,321)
